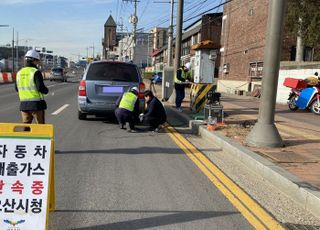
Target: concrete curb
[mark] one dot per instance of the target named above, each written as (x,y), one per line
(286,182)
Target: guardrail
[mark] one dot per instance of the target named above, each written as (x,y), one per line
(6,77)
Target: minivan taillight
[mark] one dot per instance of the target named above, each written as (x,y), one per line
(82,88)
(141,90)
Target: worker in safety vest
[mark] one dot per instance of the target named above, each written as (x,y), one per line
(128,109)
(182,77)
(31,89)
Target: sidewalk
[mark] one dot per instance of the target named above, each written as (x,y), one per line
(294,168)
(301,154)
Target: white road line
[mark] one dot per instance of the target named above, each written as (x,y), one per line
(60,109)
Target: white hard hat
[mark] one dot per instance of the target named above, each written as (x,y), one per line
(33,54)
(135,89)
(187,65)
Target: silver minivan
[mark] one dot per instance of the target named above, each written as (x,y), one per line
(103,83)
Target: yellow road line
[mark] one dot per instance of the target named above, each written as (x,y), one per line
(250,209)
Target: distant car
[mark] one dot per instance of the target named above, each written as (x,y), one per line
(57,73)
(103,83)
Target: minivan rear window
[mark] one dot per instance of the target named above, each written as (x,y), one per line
(112,72)
(57,70)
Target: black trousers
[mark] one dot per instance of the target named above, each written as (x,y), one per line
(153,122)
(124,116)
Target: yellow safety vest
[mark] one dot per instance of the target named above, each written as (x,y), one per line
(26,86)
(128,101)
(184,75)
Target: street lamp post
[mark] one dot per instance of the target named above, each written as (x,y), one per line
(13,50)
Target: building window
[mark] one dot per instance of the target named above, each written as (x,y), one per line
(194,39)
(186,47)
(255,70)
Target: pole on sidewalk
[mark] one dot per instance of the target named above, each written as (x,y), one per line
(178,43)
(265,133)
(170,37)
(179,35)
(13,56)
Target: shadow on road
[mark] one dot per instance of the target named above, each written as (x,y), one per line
(140,150)
(157,221)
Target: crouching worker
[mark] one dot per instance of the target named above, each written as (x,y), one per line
(128,109)
(155,114)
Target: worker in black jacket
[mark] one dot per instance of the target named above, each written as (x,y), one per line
(31,89)
(155,114)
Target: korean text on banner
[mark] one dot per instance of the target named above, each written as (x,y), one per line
(24,179)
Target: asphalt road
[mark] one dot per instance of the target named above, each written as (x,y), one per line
(107,178)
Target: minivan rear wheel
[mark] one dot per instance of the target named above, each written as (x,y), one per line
(82,116)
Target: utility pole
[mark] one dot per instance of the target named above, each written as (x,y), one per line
(87,52)
(121,37)
(13,50)
(178,35)
(178,44)
(300,45)
(92,51)
(17,49)
(265,133)
(170,37)
(134,20)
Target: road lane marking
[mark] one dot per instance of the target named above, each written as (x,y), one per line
(60,109)
(249,208)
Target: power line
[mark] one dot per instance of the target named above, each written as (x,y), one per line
(146,6)
(216,7)
(166,19)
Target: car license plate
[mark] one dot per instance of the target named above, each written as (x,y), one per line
(112,89)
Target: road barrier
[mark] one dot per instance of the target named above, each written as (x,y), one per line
(198,96)
(11,77)
(7,77)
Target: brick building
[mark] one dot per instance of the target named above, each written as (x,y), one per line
(208,27)
(243,40)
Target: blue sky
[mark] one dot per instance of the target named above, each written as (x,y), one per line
(68,27)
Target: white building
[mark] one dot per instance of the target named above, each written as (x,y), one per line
(126,51)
